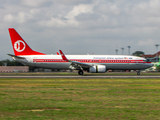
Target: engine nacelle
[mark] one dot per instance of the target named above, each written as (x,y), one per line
(97,69)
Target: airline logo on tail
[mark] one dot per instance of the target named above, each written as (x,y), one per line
(19,46)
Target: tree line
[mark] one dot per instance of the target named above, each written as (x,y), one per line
(8,62)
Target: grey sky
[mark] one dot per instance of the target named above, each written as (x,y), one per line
(81,26)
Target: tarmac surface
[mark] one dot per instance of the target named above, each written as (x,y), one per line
(78,76)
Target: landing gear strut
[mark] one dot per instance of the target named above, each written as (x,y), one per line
(80,72)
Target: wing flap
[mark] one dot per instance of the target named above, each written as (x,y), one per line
(82,64)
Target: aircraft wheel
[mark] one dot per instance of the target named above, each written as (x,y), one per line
(138,73)
(80,72)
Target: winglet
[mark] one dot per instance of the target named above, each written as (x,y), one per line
(57,53)
(63,56)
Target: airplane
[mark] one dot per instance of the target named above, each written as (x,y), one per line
(90,63)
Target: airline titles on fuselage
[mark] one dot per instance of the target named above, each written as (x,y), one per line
(112,58)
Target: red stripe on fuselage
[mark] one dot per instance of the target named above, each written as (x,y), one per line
(88,61)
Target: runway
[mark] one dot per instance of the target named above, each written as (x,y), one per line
(79,77)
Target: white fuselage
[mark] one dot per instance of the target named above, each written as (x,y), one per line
(112,62)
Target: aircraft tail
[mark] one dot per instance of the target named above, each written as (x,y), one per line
(20,47)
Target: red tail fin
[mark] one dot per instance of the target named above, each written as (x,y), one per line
(20,47)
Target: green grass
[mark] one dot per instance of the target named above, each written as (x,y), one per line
(79,99)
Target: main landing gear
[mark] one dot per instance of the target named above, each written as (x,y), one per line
(80,72)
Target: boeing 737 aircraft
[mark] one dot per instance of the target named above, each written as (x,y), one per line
(91,63)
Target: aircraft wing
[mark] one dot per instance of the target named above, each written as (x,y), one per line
(75,64)
(82,64)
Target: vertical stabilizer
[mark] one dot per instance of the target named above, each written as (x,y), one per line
(20,47)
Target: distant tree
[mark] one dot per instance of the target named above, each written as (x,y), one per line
(10,63)
(138,53)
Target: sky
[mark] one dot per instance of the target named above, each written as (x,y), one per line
(81,26)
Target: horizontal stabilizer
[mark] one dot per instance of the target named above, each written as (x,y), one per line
(16,56)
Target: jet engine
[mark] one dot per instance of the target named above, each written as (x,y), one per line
(97,69)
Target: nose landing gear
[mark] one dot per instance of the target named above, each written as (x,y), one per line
(138,72)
